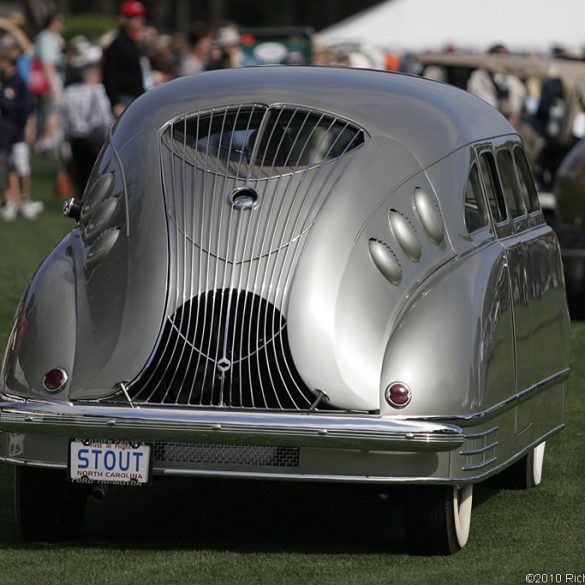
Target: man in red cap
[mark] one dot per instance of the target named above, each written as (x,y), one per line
(125,66)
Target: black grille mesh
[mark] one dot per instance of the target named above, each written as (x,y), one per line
(220,454)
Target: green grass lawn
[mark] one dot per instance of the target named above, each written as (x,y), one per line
(198,532)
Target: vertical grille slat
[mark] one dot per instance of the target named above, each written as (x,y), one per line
(209,235)
(279,212)
(219,271)
(201,177)
(173,346)
(224,341)
(181,275)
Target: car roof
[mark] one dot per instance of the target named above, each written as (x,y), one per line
(428,118)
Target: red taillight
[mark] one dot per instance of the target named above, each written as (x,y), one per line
(398,395)
(55,379)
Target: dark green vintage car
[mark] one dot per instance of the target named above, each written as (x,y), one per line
(569,224)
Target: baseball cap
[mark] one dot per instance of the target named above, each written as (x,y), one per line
(131,9)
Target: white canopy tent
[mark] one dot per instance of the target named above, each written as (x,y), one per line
(419,25)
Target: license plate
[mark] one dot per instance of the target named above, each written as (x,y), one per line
(124,463)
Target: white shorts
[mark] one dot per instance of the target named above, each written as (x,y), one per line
(20,159)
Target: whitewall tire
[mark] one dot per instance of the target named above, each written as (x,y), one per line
(438,518)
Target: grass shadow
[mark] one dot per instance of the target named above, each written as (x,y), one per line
(243,516)
(248,516)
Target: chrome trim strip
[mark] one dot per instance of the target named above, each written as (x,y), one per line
(316,477)
(498,409)
(471,452)
(269,475)
(26,463)
(479,465)
(482,434)
(308,430)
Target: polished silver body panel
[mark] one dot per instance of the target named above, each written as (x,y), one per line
(261,253)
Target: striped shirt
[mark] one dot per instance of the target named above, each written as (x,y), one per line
(84,108)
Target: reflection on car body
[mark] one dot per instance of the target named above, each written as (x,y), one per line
(302,274)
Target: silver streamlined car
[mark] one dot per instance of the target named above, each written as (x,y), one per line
(294,273)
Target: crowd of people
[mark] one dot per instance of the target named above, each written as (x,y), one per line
(61,97)
(544,99)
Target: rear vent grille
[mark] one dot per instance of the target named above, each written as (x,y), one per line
(243,186)
(226,348)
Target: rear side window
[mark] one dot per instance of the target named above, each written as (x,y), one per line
(525,181)
(476,215)
(493,189)
(512,194)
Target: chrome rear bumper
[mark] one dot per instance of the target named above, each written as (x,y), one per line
(319,430)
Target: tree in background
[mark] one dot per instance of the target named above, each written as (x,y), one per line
(174,15)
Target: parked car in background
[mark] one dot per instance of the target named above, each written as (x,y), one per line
(278,45)
(304,274)
(568,223)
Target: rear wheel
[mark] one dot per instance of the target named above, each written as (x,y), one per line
(525,473)
(438,519)
(48,507)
